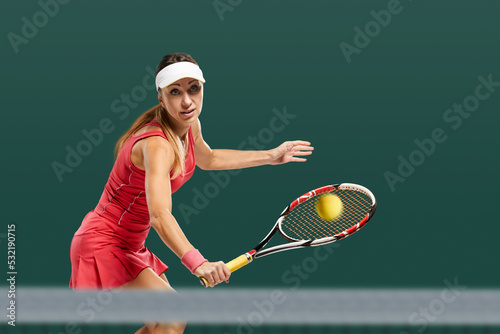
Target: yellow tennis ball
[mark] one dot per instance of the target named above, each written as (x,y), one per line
(329,207)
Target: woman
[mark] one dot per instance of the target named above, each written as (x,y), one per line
(154,158)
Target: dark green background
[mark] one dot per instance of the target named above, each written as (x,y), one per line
(441,223)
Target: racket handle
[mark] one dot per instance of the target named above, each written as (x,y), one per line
(233,265)
(239,262)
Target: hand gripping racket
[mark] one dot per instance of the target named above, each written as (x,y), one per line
(301,225)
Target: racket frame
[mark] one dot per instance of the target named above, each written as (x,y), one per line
(259,252)
(293,243)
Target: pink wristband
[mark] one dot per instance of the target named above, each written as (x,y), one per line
(193,259)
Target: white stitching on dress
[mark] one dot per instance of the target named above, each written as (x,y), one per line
(118,189)
(129,207)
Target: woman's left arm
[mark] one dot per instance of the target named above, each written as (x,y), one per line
(218,159)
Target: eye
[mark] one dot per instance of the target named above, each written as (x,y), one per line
(194,88)
(174,91)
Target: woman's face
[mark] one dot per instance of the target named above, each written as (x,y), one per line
(183,99)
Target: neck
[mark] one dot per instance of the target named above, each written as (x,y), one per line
(179,128)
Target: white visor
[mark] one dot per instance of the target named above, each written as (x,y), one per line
(176,71)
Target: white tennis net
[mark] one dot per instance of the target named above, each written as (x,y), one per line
(406,307)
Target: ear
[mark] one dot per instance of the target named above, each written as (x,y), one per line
(160,99)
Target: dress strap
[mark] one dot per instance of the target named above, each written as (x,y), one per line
(153,122)
(150,133)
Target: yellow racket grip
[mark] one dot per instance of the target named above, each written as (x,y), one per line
(239,262)
(233,265)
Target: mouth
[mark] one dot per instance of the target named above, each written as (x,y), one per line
(188,113)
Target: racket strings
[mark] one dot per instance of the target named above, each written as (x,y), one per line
(304,223)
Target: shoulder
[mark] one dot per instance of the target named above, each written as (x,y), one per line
(155,144)
(156,150)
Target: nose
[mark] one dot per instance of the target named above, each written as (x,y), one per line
(186,101)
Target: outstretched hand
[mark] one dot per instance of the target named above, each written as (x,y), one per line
(290,151)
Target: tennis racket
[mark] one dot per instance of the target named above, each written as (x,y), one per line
(301,225)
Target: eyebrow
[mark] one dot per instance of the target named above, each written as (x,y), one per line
(180,85)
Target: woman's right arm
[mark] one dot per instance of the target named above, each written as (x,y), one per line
(158,157)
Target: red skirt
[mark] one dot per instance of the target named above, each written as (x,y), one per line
(100,263)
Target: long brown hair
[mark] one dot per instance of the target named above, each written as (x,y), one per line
(160,114)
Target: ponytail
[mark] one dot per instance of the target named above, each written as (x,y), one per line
(160,114)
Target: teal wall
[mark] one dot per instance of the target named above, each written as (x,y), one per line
(361,103)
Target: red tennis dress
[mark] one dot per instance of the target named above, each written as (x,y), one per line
(108,249)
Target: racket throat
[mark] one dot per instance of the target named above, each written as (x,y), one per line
(250,255)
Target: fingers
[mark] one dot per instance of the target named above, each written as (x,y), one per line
(299,145)
(302,148)
(210,277)
(227,272)
(223,272)
(299,148)
(300,142)
(301,152)
(215,277)
(214,272)
(294,159)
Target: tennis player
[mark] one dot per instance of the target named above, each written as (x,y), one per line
(155,157)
